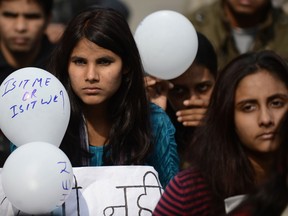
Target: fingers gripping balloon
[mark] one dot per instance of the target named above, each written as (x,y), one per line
(167,42)
(34,106)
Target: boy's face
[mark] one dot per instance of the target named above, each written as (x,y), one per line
(22,25)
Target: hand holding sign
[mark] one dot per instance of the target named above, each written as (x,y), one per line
(37,178)
(167,42)
(34,106)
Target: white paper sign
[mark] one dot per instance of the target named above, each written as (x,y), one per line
(232,202)
(106,190)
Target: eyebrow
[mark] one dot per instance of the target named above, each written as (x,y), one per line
(206,82)
(76,57)
(272,97)
(27,15)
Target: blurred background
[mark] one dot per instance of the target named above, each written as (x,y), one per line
(134,10)
(139,9)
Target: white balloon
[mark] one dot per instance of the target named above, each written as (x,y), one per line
(34,106)
(167,42)
(37,178)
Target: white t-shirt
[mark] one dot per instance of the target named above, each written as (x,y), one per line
(244,38)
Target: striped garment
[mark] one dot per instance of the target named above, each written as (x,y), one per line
(186,194)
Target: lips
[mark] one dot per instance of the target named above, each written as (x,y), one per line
(20,40)
(267,136)
(92,90)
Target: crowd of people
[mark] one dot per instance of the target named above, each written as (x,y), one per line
(216,132)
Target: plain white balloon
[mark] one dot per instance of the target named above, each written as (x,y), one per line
(37,178)
(167,42)
(34,106)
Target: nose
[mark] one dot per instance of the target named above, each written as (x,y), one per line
(21,24)
(92,75)
(266,118)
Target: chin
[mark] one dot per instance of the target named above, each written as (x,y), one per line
(270,148)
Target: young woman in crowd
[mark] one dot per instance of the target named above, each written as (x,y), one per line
(233,150)
(272,198)
(186,97)
(112,121)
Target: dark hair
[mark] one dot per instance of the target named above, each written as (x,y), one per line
(129,138)
(117,5)
(47,6)
(271,199)
(206,55)
(227,168)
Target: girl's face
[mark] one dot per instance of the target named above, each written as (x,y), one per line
(95,73)
(196,83)
(22,24)
(261,100)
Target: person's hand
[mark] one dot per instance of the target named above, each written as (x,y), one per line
(194,114)
(157,90)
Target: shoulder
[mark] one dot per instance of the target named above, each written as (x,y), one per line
(189,190)
(190,183)
(159,117)
(205,14)
(161,124)
(190,179)
(5,68)
(280,17)
(155,109)
(275,32)
(164,156)
(211,21)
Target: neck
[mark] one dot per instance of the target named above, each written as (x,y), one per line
(262,165)
(19,59)
(98,125)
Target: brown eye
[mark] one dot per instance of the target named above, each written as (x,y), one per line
(79,61)
(248,107)
(204,87)
(104,61)
(277,103)
(178,91)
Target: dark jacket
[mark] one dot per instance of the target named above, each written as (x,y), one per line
(40,61)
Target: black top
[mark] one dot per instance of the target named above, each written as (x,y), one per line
(40,61)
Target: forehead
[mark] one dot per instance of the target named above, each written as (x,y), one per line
(260,84)
(86,48)
(195,74)
(21,6)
